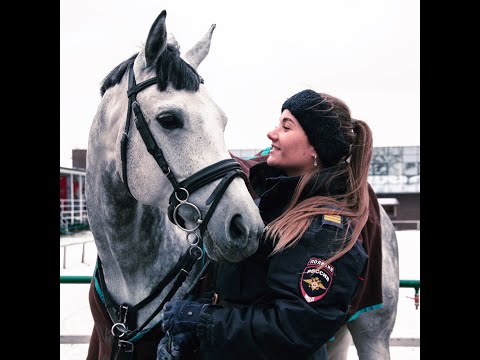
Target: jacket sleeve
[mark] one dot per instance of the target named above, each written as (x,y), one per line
(302,311)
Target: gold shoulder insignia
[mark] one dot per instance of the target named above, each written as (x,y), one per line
(333,218)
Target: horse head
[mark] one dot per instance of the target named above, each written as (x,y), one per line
(181,118)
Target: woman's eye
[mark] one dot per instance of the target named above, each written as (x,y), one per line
(285,128)
(170,122)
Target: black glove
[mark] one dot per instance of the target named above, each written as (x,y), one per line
(179,346)
(180,316)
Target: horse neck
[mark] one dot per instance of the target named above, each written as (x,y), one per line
(137,244)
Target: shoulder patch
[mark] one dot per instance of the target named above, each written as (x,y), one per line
(335,220)
(315,283)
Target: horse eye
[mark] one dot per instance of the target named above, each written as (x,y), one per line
(169,122)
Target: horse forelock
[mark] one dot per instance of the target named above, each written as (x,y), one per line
(116,75)
(170,69)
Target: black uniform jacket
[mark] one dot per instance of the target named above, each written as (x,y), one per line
(282,306)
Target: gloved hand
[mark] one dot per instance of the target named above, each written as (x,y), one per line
(179,346)
(180,316)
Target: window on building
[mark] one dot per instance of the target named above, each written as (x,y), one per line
(411,169)
(379,168)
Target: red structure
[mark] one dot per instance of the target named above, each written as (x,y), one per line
(73,209)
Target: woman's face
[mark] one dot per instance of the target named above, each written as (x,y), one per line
(291,151)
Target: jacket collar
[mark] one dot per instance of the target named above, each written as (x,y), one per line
(275,188)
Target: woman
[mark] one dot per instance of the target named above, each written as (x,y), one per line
(293,294)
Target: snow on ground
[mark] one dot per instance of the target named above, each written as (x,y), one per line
(76,319)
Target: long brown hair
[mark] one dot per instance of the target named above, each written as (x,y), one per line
(289,227)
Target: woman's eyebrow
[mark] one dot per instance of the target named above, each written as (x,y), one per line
(286,119)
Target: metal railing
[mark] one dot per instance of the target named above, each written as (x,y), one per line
(73,211)
(70,242)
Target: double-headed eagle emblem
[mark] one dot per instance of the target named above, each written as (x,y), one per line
(314,283)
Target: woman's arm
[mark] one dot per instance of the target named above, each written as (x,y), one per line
(303,309)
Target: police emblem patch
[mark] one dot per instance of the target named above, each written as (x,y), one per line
(315,283)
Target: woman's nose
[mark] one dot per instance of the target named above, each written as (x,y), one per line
(272,134)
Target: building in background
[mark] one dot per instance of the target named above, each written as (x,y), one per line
(73,209)
(394,175)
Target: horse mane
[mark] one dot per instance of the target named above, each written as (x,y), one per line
(170,68)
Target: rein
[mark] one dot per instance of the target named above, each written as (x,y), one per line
(123,316)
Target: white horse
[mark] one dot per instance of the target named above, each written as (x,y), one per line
(155,159)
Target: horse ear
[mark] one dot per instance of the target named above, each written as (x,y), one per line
(199,51)
(156,40)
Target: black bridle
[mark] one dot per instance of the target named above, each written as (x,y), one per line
(124,316)
(227,169)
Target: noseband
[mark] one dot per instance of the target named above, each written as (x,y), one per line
(227,169)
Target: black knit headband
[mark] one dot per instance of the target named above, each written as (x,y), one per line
(321,124)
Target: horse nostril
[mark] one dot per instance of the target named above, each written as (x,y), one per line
(237,230)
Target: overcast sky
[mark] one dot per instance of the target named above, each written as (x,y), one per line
(366,52)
